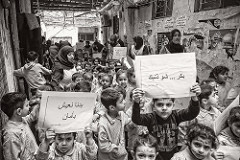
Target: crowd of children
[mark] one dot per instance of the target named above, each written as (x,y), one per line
(125,124)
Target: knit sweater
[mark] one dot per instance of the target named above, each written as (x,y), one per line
(165,130)
(111,137)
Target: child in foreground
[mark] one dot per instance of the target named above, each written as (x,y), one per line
(230,136)
(111,138)
(19,142)
(145,148)
(65,147)
(164,121)
(201,141)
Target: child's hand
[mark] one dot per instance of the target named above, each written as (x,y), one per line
(218,155)
(49,136)
(138,95)
(196,89)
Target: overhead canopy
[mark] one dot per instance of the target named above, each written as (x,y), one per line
(69,5)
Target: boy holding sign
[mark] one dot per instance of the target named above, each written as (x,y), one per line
(65,147)
(163,122)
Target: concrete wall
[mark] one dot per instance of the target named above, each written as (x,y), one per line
(208,57)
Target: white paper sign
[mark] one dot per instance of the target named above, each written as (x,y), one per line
(119,52)
(166,75)
(66,111)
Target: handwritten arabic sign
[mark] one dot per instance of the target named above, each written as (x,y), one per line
(119,52)
(66,111)
(167,75)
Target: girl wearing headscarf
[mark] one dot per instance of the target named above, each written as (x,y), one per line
(64,67)
(138,48)
(174,46)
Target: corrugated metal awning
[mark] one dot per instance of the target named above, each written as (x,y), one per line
(69,5)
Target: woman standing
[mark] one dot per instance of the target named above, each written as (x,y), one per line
(138,48)
(64,67)
(174,46)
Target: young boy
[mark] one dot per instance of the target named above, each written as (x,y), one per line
(65,147)
(33,72)
(163,122)
(111,137)
(18,140)
(208,100)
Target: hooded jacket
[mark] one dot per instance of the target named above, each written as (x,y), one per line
(33,74)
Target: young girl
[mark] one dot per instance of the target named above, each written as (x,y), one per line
(99,110)
(131,77)
(122,80)
(230,137)
(145,148)
(201,140)
(226,94)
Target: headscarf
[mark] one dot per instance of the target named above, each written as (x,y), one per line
(53,52)
(61,61)
(175,48)
(139,42)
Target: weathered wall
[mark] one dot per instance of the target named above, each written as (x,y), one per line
(7,50)
(213,52)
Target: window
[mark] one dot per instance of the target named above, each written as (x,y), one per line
(202,5)
(162,8)
(86,36)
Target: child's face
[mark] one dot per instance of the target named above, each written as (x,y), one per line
(105,81)
(120,105)
(78,79)
(132,78)
(96,62)
(64,142)
(111,65)
(164,107)
(200,147)
(25,109)
(222,77)
(122,80)
(145,153)
(213,99)
(87,67)
(235,127)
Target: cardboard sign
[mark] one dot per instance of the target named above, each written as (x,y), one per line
(167,75)
(66,111)
(119,52)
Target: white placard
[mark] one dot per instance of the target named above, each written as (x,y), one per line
(167,75)
(119,52)
(66,111)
